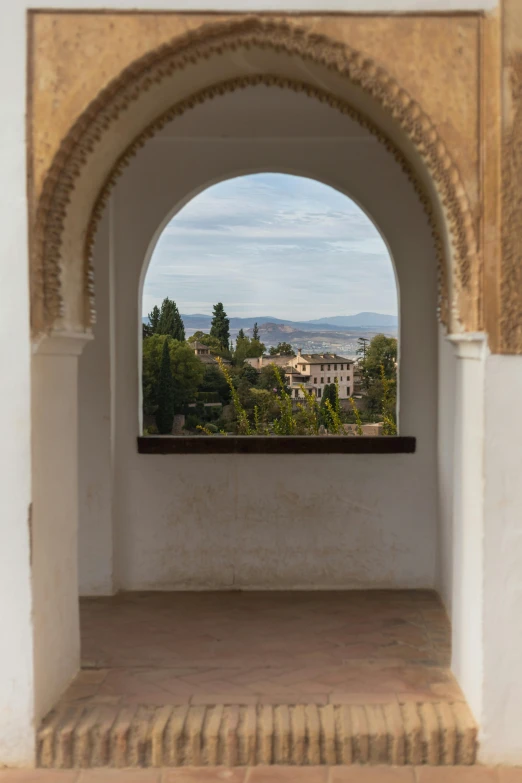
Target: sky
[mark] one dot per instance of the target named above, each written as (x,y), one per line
(272,244)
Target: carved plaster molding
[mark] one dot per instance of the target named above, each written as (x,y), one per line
(511,275)
(217,39)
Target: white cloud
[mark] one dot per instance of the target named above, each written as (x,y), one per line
(272,244)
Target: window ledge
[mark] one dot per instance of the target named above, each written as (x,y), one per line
(281,444)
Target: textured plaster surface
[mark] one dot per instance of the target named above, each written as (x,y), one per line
(511,273)
(444,77)
(16,654)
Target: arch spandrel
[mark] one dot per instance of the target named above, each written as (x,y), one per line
(290,53)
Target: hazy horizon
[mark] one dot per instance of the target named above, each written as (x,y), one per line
(271,315)
(272,245)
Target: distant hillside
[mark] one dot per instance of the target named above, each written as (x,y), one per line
(321,336)
(361,319)
(198,321)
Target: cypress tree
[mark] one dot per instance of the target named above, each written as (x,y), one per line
(240,335)
(165,393)
(220,328)
(255,332)
(169,321)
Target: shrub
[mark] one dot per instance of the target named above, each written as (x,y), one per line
(192,422)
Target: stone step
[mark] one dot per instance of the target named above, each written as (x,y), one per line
(101,735)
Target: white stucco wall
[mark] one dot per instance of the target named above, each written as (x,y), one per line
(95,543)
(16,645)
(503,500)
(467,583)
(446,469)
(55,508)
(501,717)
(331,521)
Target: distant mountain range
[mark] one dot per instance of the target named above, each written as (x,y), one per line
(338,334)
(361,319)
(200,321)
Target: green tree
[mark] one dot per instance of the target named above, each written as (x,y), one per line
(283,348)
(255,332)
(187,372)
(379,376)
(247,349)
(215,381)
(250,374)
(240,335)
(382,350)
(154,317)
(206,339)
(330,394)
(362,347)
(165,393)
(256,349)
(169,321)
(270,379)
(220,328)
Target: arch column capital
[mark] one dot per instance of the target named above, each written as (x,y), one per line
(62,343)
(469,345)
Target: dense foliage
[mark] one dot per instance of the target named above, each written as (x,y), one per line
(247,348)
(187,372)
(378,371)
(285,349)
(222,393)
(165,392)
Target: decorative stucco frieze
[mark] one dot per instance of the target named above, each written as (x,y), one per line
(458,254)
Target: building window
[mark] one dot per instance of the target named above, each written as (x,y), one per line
(315,380)
(296,393)
(347,391)
(342,367)
(335,367)
(322,380)
(328,366)
(322,367)
(328,379)
(341,378)
(318,392)
(335,379)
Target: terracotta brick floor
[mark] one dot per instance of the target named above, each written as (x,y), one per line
(270,647)
(271,774)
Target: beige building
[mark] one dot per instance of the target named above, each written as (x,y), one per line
(280,360)
(313,371)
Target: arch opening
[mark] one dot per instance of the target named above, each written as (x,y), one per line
(117,550)
(305,276)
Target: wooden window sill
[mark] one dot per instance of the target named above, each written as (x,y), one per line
(281,444)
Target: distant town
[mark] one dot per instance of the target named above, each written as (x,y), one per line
(336,334)
(215,375)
